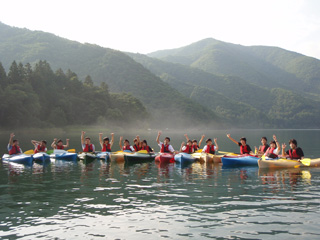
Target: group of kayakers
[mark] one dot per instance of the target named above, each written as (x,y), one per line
(271,150)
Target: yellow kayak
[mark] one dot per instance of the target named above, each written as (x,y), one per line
(288,163)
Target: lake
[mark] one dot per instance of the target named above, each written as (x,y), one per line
(65,200)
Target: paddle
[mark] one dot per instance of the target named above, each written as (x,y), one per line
(71,150)
(29,152)
(305,161)
(143,151)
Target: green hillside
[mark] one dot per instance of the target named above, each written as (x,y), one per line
(167,106)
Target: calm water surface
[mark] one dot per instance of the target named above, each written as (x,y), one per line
(64,200)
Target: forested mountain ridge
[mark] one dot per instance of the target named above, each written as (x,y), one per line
(120,72)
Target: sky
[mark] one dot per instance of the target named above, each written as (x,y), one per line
(145,26)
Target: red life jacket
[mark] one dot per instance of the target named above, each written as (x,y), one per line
(60,147)
(88,148)
(244,149)
(293,154)
(195,147)
(126,148)
(39,149)
(210,149)
(269,153)
(136,148)
(14,150)
(164,149)
(189,149)
(263,148)
(146,148)
(106,148)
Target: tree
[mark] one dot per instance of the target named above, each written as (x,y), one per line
(88,81)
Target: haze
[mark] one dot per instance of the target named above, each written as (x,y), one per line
(145,26)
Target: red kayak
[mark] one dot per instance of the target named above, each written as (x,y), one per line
(165,157)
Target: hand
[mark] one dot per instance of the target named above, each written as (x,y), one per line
(284,146)
(112,134)
(55,139)
(67,139)
(121,138)
(274,138)
(202,137)
(255,148)
(215,140)
(12,135)
(182,144)
(159,133)
(186,135)
(83,132)
(100,134)
(228,135)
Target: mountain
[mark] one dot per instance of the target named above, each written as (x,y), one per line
(168,107)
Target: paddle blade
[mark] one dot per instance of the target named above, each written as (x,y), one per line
(199,151)
(71,150)
(29,152)
(50,152)
(305,161)
(143,151)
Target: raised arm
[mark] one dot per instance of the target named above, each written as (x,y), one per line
(159,133)
(202,137)
(34,142)
(233,140)
(216,144)
(186,135)
(67,145)
(120,142)
(284,154)
(11,139)
(112,139)
(277,143)
(100,140)
(53,144)
(139,142)
(82,137)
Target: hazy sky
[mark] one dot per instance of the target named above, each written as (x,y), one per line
(148,25)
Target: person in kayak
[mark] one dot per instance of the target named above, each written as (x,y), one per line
(137,144)
(165,147)
(126,145)
(294,153)
(39,146)
(145,146)
(262,148)
(210,148)
(86,144)
(244,147)
(58,144)
(105,143)
(272,151)
(195,142)
(187,148)
(13,145)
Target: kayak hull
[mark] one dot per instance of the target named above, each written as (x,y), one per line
(211,158)
(64,155)
(18,158)
(104,156)
(240,160)
(119,156)
(87,157)
(139,157)
(286,163)
(164,158)
(184,158)
(41,157)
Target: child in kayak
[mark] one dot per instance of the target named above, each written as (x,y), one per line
(39,146)
(165,147)
(105,143)
(210,148)
(13,145)
(187,148)
(145,146)
(272,151)
(295,152)
(86,144)
(137,143)
(262,148)
(244,147)
(59,144)
(126,145)
(195,142)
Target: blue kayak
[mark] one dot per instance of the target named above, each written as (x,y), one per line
(41,157)
(18,158)
(64,155)
(240,160)
(184,158)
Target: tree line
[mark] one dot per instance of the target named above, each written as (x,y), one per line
(36,96)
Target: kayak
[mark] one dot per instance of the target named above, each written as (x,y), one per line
(138,157)
(87,157)
(119,156)
(240,160)
(41,157)
(165,157)
(18,158)
(210,158)
(288,163)
(63,155)
(184,158)
(104,155)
